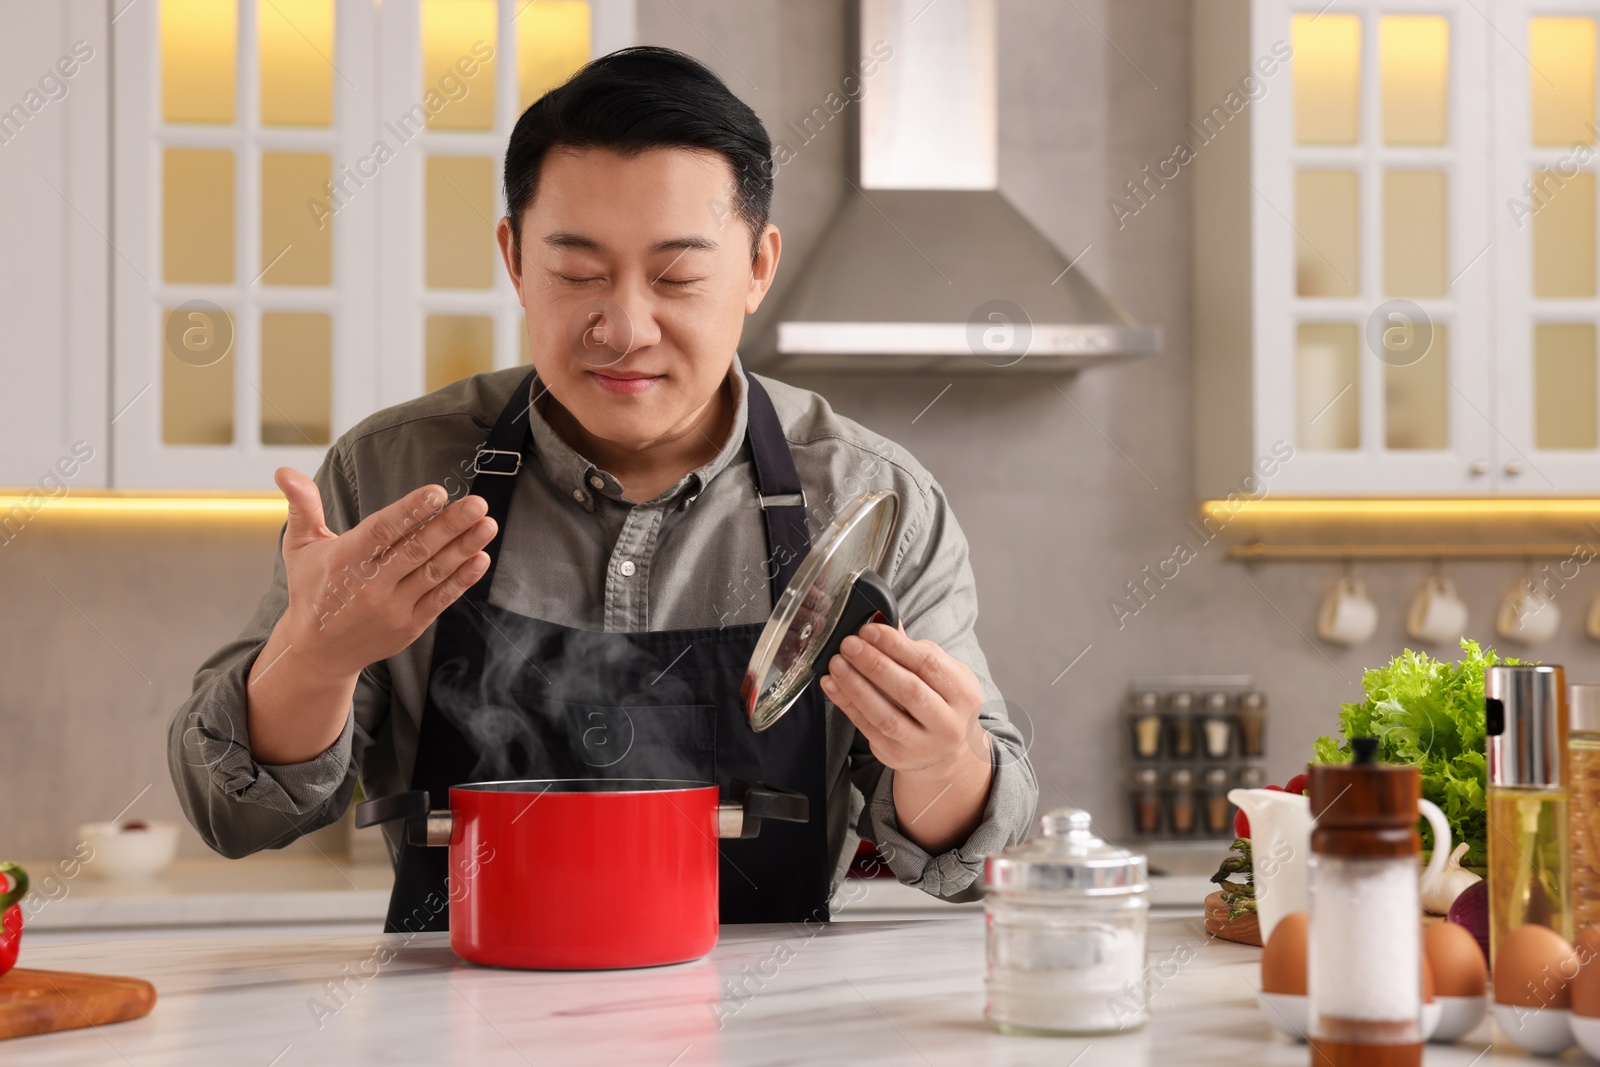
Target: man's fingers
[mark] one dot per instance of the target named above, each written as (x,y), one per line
(306,523)
(443,563)
(386,527)
(449,591)
(937,668)
(416,548)
(899,683)
(848,685)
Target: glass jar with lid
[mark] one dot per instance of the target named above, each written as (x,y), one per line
(1067,917)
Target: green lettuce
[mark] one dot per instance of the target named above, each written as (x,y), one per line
(1429,713)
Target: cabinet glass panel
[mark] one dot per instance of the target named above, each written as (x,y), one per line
(296,245)
(1328,241)
(296,62)
(1327,386)
(552,43)
(460,244)
(457,346)
(198,44)
(457,78)
(1416,401)
(1327,78)
(1564,235)
(1414,233)
(197,215)
(197,376)
(1561,80)
(296,378)
(1414,62)
(1564,386)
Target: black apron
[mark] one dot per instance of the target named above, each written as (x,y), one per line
(513,697)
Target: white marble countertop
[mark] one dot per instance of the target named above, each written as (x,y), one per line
(273,888)
(886,992)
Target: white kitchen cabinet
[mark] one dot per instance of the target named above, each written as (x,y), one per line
(55,62)
(1361,294)
(306,193)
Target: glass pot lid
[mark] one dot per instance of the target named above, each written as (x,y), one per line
(1066,857)
(810,607)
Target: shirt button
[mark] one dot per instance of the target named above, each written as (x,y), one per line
(597,481)
(627,568)
(577,494)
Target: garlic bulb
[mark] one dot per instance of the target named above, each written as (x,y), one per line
(1442,883)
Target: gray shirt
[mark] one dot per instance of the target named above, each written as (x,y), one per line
(578,554)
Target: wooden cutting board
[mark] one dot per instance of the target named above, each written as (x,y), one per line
(42,1002)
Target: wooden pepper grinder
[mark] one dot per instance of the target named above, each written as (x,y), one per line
(1364,972)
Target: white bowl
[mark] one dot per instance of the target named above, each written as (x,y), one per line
(1542,1031)
(127,855)
(1431,1014)
(1290,1015)
(1458,1016)
(1587,1031)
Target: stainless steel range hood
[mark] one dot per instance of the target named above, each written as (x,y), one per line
(928,266)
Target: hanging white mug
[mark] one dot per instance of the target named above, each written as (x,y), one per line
(1525,617)
(1348,615)
(1437,614)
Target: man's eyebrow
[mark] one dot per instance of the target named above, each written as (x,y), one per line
(686,243)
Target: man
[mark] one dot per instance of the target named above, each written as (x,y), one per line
(574,528)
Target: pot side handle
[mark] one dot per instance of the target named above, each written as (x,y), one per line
(423,825)
(741,818)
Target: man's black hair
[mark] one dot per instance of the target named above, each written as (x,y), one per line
(636,99)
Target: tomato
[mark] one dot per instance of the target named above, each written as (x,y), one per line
(1241,825)
(1296,785)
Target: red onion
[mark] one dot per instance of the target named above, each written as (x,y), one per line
(1471,910)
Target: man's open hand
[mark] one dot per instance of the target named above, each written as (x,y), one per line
(361,596)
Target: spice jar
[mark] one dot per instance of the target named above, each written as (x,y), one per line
(1180,800)
(1253,724)
(1145,793)
(1216,727)
(1146,722)
(1067,916)
(1218,808)
(1180,726)
(1364,953)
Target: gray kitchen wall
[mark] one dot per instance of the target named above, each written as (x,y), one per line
(1066,489)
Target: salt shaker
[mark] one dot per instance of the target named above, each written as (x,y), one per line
(1364,966)
(1067,916)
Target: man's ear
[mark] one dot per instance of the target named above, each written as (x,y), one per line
(512,256)
(764,269)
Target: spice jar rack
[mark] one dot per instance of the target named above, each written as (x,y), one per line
(1189,740)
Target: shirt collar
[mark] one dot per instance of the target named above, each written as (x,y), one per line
(582,481)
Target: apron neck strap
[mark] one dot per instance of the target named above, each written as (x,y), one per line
(783,504)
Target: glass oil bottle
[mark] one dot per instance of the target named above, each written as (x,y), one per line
(1529,854)
(1583,758)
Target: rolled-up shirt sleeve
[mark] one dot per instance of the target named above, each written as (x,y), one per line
(931,576)
(238,804)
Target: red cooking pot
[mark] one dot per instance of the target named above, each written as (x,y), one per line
(584,873)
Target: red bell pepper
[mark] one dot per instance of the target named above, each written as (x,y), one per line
(11,905)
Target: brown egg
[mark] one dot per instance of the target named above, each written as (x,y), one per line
(1586,987)
(1456,959)
(1427,980)
(1533,968)
(1283,960)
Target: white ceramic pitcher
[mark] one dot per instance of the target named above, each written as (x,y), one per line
(1280,849)
(1280,846)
